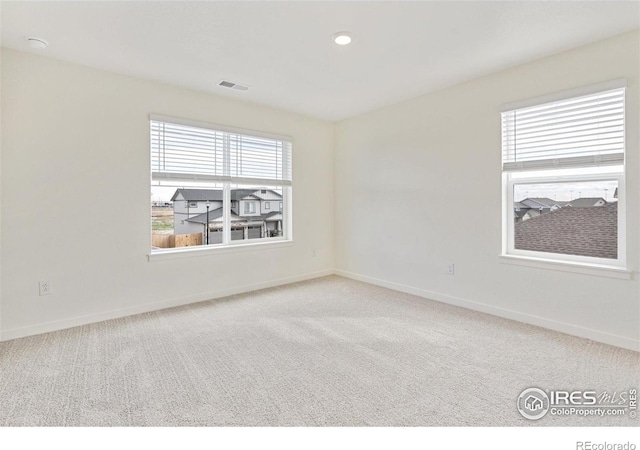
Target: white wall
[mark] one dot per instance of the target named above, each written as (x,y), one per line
(442,152)
(1,52)
(417,186)
(75,140)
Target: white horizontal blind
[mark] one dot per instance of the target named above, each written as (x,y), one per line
(185,151)
(254,157)
(189,153)
(577,132)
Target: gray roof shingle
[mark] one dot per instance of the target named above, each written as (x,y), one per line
(533,203)
(194,195)
(202,218)
(239,194)
(586,202)
(572,231)
(544,201)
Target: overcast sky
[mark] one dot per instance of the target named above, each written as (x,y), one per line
(566,191)
(164,193)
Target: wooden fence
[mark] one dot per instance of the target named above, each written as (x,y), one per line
(176,240)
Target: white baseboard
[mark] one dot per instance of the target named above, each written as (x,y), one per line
(149,307)
(563,327)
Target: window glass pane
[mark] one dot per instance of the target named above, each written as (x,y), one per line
(570,218)
(251,218)
(605,170)
(180,213)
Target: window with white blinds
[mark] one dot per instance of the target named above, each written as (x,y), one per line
(584,131)
(187,152)
(563,178)
(212,187)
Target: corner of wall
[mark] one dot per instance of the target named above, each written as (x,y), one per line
(0,178)
(334,189)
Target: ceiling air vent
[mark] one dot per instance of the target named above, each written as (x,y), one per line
(232,85)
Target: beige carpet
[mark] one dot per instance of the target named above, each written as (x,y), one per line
(324,352)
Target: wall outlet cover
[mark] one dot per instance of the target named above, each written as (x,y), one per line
(45,288)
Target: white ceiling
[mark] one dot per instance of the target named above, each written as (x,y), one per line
(284,49)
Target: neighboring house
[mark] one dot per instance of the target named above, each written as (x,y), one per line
(541,202)
(190,203)
(572,231)
(519,211)
(533,207)
(255,213)
(587,202)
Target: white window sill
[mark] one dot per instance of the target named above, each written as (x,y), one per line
(190,252)
(568,266)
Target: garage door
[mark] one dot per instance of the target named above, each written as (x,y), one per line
(215,237)
(255,232)
(237,234)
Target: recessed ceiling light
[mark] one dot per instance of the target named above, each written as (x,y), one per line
(342,38)
(37,43)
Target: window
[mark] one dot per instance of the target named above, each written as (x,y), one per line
(214,179)
(249,207)
(267,205)
(563,178)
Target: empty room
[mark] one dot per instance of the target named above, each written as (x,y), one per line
(320,214)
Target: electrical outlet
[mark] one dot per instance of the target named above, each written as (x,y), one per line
(451,269)
(45,288)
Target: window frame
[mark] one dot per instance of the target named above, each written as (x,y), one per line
(573,263)
(229,245)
